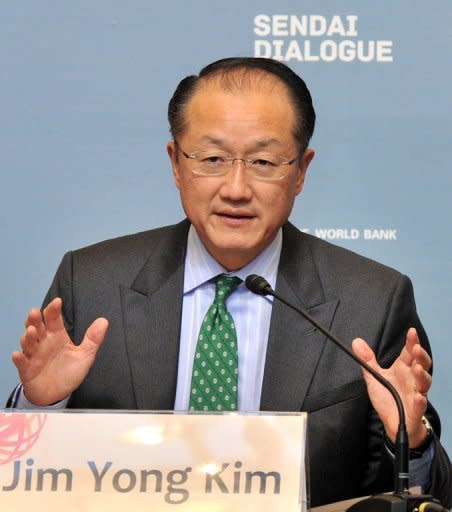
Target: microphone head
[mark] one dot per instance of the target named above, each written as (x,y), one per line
(258,285)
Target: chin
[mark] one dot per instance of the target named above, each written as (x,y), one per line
(234,243)
(235,253)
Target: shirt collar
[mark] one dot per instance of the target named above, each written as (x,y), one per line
(201,267)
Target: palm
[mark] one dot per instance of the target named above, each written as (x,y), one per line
(409,375)
(50,365)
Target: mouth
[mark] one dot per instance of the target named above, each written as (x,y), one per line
(235,218)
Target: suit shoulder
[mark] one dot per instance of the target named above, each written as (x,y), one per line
(340,264)
(347,258)
(128,253)
(131,242)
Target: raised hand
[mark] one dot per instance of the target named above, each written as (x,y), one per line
(50,366)
(409,374)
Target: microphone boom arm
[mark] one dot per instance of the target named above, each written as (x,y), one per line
(260,286)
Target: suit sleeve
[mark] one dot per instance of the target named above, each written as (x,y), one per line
(401,316)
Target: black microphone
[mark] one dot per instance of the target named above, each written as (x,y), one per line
(381,503)
(258,285)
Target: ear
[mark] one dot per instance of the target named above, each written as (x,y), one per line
(303,164)
(172,153)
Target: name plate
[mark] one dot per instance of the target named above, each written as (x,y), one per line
(115,461)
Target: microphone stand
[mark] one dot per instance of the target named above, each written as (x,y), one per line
(401,500)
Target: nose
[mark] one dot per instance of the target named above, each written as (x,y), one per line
(236,185)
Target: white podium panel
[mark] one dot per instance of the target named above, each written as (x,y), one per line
(103,461)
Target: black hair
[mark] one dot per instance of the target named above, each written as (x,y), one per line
(298,92)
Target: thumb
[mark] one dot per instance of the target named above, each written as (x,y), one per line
(95,335)
(362,350)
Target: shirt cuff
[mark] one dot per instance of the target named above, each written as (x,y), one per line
(20,401)
(419,468)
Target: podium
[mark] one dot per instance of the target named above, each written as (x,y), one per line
(99,461)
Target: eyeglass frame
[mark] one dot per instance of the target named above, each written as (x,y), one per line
(230,161)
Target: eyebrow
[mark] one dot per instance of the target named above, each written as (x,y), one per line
(260,143)
(212,140)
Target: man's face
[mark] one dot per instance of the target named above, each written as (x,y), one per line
(235,215)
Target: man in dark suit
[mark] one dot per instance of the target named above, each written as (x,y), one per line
(120,316)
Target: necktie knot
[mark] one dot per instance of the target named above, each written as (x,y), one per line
(225,285)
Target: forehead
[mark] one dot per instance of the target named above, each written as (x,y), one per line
(242,80)
(245,103)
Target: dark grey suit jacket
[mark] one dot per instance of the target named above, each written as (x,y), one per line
(137,282)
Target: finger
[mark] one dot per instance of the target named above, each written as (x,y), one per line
(421,357)
(411,340)
(417,410)
(19,360)
(34,318)
(29,341)
(362,350)
(22,363)
(418,405)
(53,317)
(412,337)
(422,380)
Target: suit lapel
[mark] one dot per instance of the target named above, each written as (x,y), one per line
(151,315)
(294,346)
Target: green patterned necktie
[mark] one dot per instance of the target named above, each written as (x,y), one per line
(215,366)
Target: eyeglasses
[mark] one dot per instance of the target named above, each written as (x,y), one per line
(263,166)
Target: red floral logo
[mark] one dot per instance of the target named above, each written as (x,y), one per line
(18,433)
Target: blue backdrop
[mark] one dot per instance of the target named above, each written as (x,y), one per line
(84,88)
